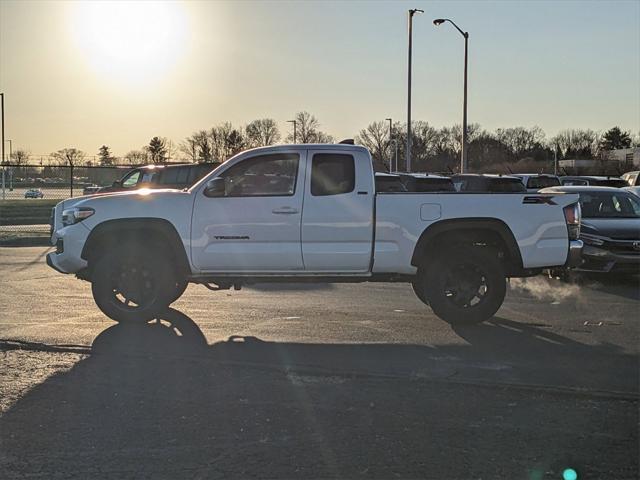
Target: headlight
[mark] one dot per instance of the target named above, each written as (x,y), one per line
(76,214)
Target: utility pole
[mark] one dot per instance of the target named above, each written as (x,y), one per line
(2,161)
(412,12)
(2,109)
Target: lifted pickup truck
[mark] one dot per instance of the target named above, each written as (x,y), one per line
(294,213)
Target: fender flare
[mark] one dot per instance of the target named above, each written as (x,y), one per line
(131,228)
(467,224)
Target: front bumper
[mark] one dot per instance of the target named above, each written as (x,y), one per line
(597,259)
(574,258)
(68,242)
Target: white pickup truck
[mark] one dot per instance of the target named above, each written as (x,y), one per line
(295,213)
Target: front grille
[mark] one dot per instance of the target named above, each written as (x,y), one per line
(625,247)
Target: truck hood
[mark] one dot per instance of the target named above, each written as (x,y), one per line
(615,228)
(143,194)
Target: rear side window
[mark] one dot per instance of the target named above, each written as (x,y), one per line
(543,182)
(332,174)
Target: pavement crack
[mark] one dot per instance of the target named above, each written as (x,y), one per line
(8,344)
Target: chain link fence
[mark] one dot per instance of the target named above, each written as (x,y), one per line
(29,192)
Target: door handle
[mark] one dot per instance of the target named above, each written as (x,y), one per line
(284,211)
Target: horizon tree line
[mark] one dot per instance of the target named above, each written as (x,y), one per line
(433,149)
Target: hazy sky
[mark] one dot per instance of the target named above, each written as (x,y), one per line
(85,74)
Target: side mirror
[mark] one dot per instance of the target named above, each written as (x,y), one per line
(116,184)
(215,188)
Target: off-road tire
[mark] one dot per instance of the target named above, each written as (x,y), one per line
(464,285)
(136,275)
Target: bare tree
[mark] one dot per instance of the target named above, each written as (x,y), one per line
(69,156)
(20,157)
(376,138)
(576,143)
(262,132)
(308,130)
(189,147)
(136,157)
(226,141)
(521,140)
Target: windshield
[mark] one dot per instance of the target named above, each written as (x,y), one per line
(609,205)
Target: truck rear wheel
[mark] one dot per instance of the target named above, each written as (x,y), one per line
(464,286)
(132,285)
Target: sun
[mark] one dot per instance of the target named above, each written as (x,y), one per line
(135,42)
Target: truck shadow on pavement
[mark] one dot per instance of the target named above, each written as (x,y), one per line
(156,401)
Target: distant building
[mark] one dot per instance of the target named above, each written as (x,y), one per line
(624,156)
(571,163)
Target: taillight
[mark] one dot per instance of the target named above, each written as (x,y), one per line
(573,215)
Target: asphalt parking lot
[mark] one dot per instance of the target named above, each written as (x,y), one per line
(317,381)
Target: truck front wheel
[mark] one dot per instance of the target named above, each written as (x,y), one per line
(132,285)
(464,285)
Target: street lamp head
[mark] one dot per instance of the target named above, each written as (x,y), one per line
(439,21)
(415,10)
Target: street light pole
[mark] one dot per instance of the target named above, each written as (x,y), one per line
(465,146)
(2,109)
(294,129)
(412,12)
(390,140)
(10,168)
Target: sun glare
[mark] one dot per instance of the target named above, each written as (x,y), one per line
(134,42)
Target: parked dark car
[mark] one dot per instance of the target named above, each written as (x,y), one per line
(534,182)
(389,183)
(594,181)
(610,228)
(423,182)
(161,176)
(90,189)
(470,182)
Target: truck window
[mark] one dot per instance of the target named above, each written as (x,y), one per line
(332,174)
(175,176)
(131,180)
(265,175)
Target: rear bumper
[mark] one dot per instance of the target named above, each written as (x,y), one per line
(574,258)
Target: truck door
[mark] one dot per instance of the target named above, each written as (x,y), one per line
(253,225)
(337,221)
